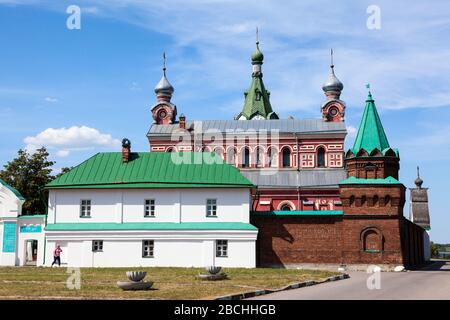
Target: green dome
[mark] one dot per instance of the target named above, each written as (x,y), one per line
(257,55)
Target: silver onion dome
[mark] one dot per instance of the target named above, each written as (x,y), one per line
(332,83)
(164,86)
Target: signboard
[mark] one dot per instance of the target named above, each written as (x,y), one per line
(30,229)
(9,237)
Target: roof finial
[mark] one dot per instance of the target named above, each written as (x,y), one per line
(164,63)
(418,180)
(257,36)
(331,58)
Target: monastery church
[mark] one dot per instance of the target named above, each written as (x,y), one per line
(253,191)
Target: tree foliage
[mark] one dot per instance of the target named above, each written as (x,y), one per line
(29,173)
(434,249)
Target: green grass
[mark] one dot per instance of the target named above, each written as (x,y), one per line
(170,283)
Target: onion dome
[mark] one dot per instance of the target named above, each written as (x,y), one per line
(257,56)
(164,88)
(332,83)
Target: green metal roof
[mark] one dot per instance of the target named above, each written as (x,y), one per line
(371,134)
(354,180)
(150,226)
(152,170)
(29,216)
(17,193)
(299,213)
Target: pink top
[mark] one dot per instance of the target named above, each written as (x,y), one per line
(57,252)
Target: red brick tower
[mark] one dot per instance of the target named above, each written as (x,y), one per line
(372,197)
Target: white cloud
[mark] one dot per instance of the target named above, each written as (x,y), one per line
(65,140)
(62,153)
(351,132)
(51,99)
(405,61)
(295,39)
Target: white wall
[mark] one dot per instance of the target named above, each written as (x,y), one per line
(10,208)
(24,236)
(175,249)
(171,205)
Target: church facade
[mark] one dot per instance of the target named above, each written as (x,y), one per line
(313,201)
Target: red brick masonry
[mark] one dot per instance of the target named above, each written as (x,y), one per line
(290,240)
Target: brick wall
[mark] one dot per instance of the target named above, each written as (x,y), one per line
(288,240)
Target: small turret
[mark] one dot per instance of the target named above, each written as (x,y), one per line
(164,112)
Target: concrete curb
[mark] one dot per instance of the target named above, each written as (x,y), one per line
(297,285)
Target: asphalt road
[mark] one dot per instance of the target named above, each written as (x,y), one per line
(432,282)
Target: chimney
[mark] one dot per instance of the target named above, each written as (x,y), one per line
(182,121)
(126,150)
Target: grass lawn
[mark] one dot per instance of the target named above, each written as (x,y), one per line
(170,283)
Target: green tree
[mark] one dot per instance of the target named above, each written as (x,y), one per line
(434,249)
(29,173)
(63,171)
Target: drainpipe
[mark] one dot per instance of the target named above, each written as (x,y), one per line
(41,191)
(298,171)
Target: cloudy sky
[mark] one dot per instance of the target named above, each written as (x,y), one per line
(79,92)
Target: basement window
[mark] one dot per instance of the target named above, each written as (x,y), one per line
(97,245)
(222,248)
(148,247)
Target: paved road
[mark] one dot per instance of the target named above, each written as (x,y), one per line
(432,282)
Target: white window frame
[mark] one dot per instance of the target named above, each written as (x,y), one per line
(85,208)
(149,208)
(211,207)
(148,248)
(221,248)
(97,245)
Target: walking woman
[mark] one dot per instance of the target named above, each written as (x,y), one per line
(57,256)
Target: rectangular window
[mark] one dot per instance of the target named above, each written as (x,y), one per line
(85,209)
(149,208)
(148,247)
(211,207)
(221,248)
(97,245)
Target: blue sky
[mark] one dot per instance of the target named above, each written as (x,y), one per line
(99,80)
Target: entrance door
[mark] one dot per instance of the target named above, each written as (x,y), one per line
(31,252)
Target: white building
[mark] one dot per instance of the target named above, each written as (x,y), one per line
(145,209)
(21,237)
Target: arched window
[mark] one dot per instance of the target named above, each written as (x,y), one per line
(285,207)
(320,157)
(272,155)
(286,157)
(372,240)
(169,150)
(259,157)
(217,155)
(231,156)
(245,158)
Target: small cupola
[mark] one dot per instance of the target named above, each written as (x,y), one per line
(332,86)
(164,89)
